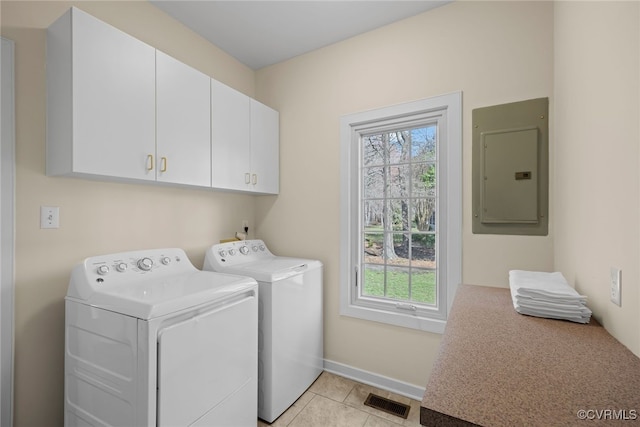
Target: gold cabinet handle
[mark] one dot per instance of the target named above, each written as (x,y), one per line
(150,162)
(163,164)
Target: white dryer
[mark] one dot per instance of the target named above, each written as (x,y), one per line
(290,349)
(152,341)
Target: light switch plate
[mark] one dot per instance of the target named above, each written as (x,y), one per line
(49,217)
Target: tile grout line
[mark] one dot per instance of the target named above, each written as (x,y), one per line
(303,408)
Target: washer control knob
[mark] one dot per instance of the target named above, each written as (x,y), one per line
(244,250)
(232,252)
(103,269)
(262,248)
(255,248)
(145,264)
(121,267)
(165,260)
(222,253)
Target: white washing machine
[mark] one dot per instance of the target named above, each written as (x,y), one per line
(152,341)
(290,349)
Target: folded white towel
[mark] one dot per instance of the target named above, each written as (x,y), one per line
(564,316)
(547,295)
(525,296)
(538,283)
(532,303)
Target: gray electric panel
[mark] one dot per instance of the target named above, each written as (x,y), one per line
(511,168)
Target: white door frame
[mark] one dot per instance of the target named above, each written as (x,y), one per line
(7,200)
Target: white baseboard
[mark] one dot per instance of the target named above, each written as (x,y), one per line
(380,381)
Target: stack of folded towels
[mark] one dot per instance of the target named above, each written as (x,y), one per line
(547,295)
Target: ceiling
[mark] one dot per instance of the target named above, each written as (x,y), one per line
(265,32)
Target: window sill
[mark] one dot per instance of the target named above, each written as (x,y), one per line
(397,319)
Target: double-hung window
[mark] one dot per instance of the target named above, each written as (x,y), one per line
(401,170)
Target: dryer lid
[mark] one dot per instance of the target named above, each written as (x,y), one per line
(275,268)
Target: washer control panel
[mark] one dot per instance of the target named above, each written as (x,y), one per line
(236,253)
(126,269)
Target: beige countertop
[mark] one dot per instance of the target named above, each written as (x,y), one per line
(496,367)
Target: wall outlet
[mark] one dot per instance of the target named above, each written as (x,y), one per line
(49,217)
(616,283)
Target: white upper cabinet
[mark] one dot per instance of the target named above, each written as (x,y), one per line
(244,142)
(100,100)
(230,138)
(183,152)
(118,108)
(265,149)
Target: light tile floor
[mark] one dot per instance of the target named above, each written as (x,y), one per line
(334,401)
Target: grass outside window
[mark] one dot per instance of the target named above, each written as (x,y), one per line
(423,284)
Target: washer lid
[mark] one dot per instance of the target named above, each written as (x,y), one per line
(274,269)
(164,295)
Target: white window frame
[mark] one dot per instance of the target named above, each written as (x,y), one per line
(447,110)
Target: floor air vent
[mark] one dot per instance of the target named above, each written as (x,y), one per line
(389,406)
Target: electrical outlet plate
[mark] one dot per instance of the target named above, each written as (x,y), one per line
(615,284)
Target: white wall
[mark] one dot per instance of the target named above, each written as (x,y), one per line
(495,52)
(597,134)
(95,217)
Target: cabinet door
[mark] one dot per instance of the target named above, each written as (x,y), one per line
(230,138)
(183,143)
(113,100)
(265,149)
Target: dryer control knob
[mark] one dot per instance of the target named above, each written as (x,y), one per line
(244,250)
(145,264)
(121,267)
(222,253)
(103,269)
(165,260)
(232,252)
(255,248)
